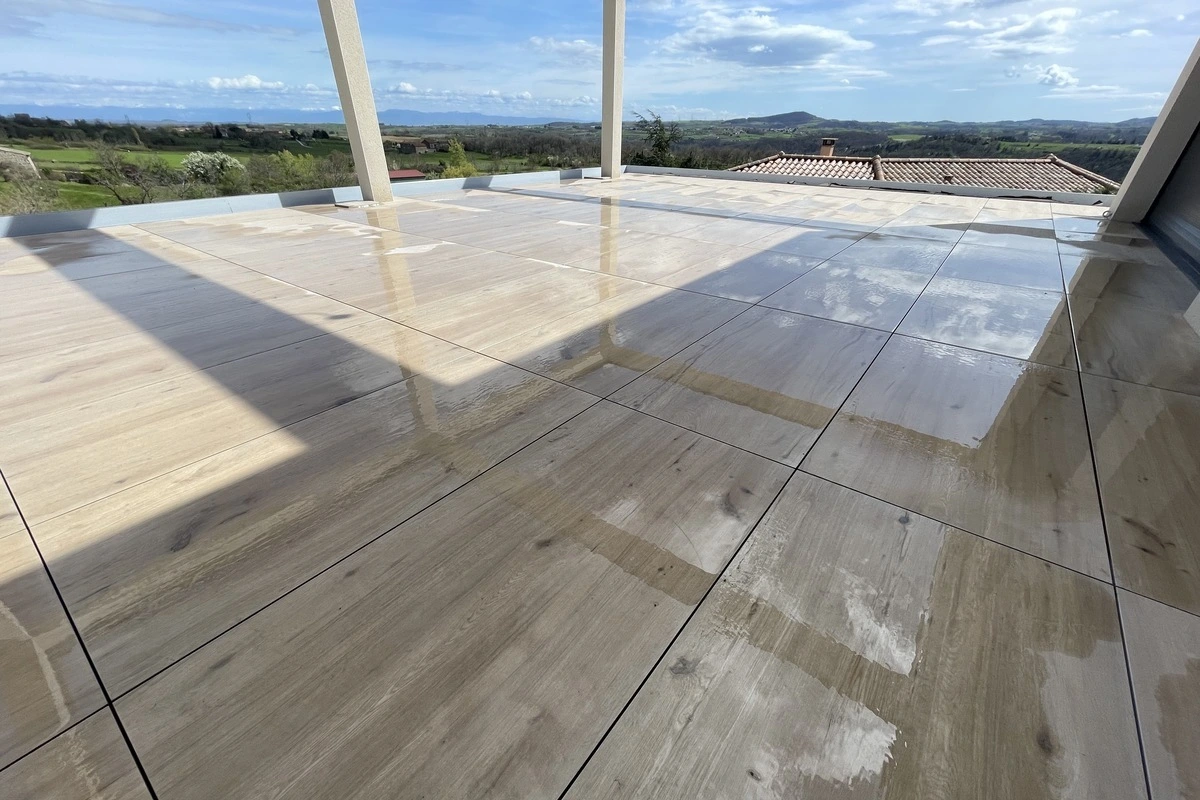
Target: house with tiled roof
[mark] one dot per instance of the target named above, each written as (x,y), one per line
(1049,174)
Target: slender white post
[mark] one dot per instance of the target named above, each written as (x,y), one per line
(614,76)
(342,33)
(1174,128)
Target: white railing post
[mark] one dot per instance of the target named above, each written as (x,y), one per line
(340,19)
(614,76)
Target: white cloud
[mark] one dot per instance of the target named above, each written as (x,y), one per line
(931,8)
(26,14)
(1138,32)
(1045,33)
(934,41)
(754,38)
(1054,75)
(244,82)
(966,24)
(1100,92)
(574,51)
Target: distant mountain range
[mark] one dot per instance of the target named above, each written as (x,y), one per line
(402,116)
(392,116)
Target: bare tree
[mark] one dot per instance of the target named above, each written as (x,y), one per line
(133,182)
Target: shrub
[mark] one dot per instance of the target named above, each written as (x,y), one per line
(210,168)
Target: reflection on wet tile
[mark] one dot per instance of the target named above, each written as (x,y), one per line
(1011,237)
(46,684)
(88,762)
(155,571)
(1023,323)
(602,348)
(1010,267)
(1122,337)
(767,382)
(858,650)
(484,646)
(742,273)
(1122,248)
(877,297)
(899,252)
(803,240)
(1147,444)
(1151,284)
(990,444)
(124,439)
(1164,661)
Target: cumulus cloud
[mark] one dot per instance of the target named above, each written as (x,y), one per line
(244,82)
(754,38)
(965,24)
(1054,75)
(573,51)
(931,8)
(1045,33)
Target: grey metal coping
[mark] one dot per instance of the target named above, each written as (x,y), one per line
(60,221)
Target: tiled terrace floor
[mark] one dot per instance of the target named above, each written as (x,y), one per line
(668,488)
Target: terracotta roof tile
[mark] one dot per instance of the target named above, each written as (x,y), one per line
(1036,174)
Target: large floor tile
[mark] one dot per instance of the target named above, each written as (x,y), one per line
(46,684)
(742,273)
(124,439)
(155,571)
(768,381)
(1147,445)
(88,762)
(1164,661)
(48,260)
(481,648)
(857,650)
(990,444)
(877,297)
(1126,338)
(644,256)
(602,348)
(805,240)
(1122,248)
(1034,239)
(1022,323)
(1151,284)
(898,252)
(1006,266)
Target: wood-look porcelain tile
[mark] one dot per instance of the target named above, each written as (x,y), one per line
(88,762)
(811,241)
(1022,323)
(1125,338)
(1147,448)
(1006,266)
(877,297)
(742,273)
(897,252)
(155,571)
(46,684)
(1121,248)
(1151,284)
(1011,237)
(990,444)
(602,348)
(1164,661)
(768,381)
(856,650)
(483,647)
(121,440)
(643,256)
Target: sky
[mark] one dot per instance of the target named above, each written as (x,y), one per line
(892,60)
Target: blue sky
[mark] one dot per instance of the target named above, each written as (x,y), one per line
(871,60)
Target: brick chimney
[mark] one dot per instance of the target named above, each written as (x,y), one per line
(827,145)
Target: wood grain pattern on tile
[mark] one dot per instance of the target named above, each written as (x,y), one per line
(1147,448)
(153,572)
(875,297)
(990,444)
(46,684)
(856,650)
(767,382)
(483,647)
(1164,661)
(88,762)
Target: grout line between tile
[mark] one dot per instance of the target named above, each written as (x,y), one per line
(108,700)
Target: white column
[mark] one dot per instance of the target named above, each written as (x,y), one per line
(342,33)
(1176,123)
(614,76)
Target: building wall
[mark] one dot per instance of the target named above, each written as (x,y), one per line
(1176,213)
(18,160)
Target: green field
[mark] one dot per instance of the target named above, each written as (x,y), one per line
(906,137)
(73,196)
(85,157)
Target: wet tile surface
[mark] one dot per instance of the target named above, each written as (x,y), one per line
(990,444)
(1164,659)
(852,642)
(334,502)
(1022,323)
(767,382)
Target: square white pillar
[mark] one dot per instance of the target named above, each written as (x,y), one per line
(340,19)
(612,97)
